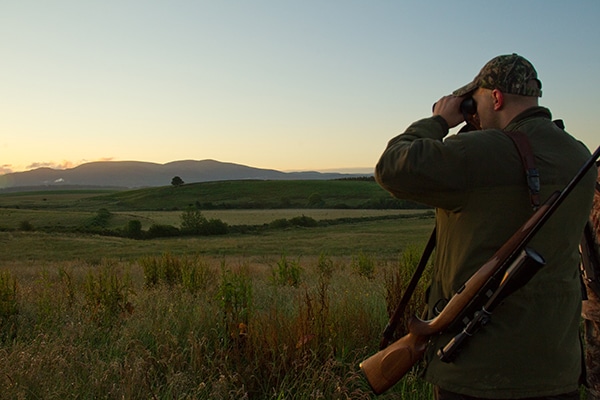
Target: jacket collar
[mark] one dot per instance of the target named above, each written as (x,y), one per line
(533,112)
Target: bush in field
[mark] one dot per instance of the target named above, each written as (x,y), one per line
(316,329)
(101,218)
(287,272)
(235,299)
(193,274)
(280,223)
(8,306)
(26,226)
(133,229)
(197,276)
(192,222)
(215,226)
(162,230)
(304,221)
(162,270)
(8,295)
(364,265)
(106,294)
(325,266)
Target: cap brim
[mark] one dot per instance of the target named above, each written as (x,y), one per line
(468,88)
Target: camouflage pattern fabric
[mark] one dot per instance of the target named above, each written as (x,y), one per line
(591,315)
(509,73)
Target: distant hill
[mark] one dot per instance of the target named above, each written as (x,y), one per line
(137,174)
(235,194)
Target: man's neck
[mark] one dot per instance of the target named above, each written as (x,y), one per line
(512,109)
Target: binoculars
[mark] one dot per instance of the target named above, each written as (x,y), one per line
(467,106)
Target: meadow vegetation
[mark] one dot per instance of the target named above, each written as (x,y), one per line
(282,309)
(196,327)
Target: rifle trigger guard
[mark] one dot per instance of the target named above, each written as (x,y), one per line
(439,306)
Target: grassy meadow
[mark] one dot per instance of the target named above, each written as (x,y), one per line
(270,313)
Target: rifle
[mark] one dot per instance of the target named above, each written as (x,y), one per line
(509,268)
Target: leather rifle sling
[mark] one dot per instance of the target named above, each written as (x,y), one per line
(528,160)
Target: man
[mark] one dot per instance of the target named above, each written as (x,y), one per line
(530,349)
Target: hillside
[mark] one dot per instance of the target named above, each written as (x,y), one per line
(252,195)
(242,194)
(135,174)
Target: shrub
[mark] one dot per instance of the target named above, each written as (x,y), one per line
(107,296)
(305,221)
(235,295)
(165,269)
(133,229)
(215,227)
(287,272)
(280,223)
(196,276)
(101,218)
(8,306)
(364,265)
(192,221)
(325,266)
(160,230)
(26,226)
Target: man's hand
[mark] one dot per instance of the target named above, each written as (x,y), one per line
(448,107)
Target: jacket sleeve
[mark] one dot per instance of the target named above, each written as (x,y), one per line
(419,165)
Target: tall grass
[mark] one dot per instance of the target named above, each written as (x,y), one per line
(174,327)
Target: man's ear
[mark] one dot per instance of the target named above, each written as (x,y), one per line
(497,99)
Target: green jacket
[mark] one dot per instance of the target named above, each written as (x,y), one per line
(475,180)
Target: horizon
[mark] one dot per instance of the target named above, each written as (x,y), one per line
(134,174)
(341,170)
(291,86)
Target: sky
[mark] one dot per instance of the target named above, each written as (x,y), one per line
(279,84)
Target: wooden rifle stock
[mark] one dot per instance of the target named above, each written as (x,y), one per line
(388,366)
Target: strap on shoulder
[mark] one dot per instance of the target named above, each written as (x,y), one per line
(528,159)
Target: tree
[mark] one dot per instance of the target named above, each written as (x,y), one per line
(133,229)
(192,221)
(177,181)
(101,218)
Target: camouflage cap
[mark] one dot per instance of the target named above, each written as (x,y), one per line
(509,73)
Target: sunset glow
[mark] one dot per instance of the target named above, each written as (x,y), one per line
(306,85)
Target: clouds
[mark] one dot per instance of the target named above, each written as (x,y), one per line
(65,164)
(52,164)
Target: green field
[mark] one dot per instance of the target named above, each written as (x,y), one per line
(11,218)
(278,313)
(353,194)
